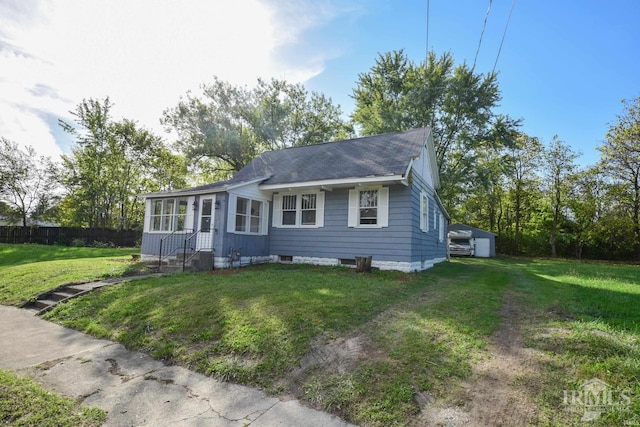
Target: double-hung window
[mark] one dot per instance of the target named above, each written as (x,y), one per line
(369,207)
(248,215)
(298,210)
(424,212)
(168,214)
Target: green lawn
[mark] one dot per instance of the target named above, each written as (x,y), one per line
(25,403)
(28,270)
(397,335)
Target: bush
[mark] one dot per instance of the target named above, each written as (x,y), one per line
(99,244)
(78,243)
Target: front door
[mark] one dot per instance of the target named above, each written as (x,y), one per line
(206,230)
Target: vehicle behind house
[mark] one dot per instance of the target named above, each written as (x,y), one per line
(460,243)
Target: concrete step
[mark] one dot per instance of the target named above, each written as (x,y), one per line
(44,303)
(60,295)
(171,268)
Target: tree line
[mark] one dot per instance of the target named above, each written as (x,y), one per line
(534,195)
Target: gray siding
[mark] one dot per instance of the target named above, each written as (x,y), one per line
(224,242)
(426,246)
(401,241)
(337,240)
(246,244)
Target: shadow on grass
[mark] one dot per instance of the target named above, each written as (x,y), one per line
(255,325)
(15,254)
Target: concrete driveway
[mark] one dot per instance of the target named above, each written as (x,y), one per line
(133,388)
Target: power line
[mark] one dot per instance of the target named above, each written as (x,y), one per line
(426,58)
(486,16)
(513,2)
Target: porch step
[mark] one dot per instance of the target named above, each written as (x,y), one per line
(195,261)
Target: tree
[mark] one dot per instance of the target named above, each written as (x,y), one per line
(522,162)
(457,103)
(620,159)
(110,164)
(231,125)
(558,166)
(586,205)
(26,180)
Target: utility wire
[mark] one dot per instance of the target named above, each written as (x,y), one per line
(486,16)
(513,2)
(426,58)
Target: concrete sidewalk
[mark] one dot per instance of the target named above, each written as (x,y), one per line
(133,388)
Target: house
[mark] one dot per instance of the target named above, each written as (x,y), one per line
(320,204)
(471,241)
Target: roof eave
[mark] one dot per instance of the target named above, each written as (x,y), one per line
(338,182)
(185,192)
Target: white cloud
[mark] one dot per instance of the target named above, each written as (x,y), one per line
(143,54)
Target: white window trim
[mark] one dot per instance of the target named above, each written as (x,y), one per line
(382,220)
(435,218)
(277,210)
(231,215)
(424,212)
(188,217)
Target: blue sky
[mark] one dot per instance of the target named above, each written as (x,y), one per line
(564,66)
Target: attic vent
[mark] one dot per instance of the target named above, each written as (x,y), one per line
(285,258)
(347,261)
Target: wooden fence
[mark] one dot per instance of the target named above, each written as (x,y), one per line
(68,236)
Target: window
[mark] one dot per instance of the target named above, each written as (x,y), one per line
(441,235)
(308,209)
(435,217)
(248,216)
(424,212)
(298,210)
(369,208)
(289,209)
(168,215)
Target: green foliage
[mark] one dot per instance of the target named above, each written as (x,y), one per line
(228,126)
(111,163)
(24,403)
(559,167)
(620,158)
(458,104)
(27,182)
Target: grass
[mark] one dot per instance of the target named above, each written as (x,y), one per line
(254,326)
(417,334)
(28,270)
(585,319)
(25,403)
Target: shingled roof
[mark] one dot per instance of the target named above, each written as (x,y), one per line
(370,156)
(379,155)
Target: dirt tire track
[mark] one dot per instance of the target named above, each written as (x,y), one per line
(499,389)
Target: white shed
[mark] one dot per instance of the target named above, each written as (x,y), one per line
(483,242)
